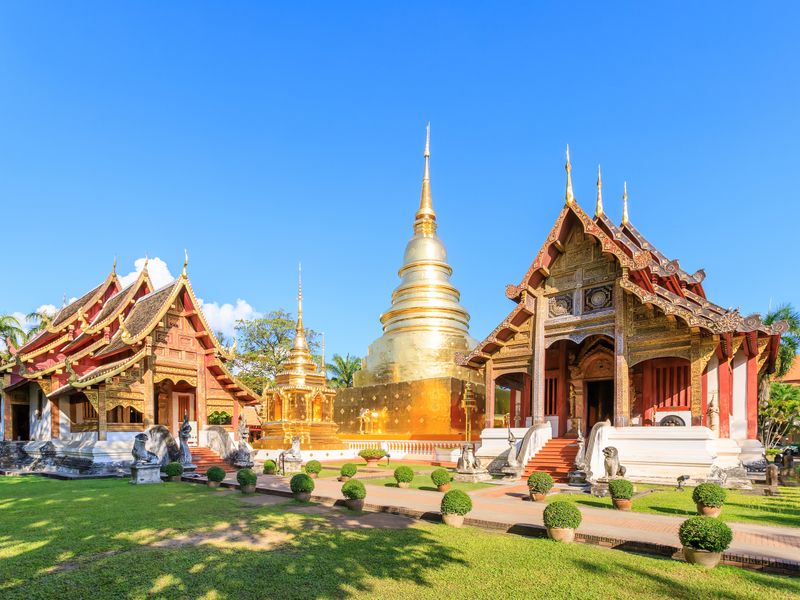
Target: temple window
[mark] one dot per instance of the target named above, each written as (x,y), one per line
(220,417)
(124,415)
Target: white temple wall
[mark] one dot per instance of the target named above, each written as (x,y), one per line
(39,422)
(739,405)
(64,423)
(712,379)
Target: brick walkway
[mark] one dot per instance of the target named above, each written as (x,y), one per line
(504,508)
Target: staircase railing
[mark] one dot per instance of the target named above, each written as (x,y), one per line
(535,439)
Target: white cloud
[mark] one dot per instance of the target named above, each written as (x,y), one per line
(157,268)
(223,317)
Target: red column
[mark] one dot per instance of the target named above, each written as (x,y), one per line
(752,397)
(648,414)
(725,380)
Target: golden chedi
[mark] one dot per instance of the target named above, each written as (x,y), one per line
(300,403)
(409,386)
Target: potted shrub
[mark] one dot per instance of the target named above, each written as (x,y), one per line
(561,519)
(174,470)
(354,492)
(215,475)
(247,481)
(704,539)
(539,483)
(270,467)
(313,467)
(372,455)
(709,498)
(301,485)
(441,479)
(621,491)
(403,476)
(347,471)
(455,504)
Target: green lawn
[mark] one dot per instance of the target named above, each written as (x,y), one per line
(740,506)
(109,539)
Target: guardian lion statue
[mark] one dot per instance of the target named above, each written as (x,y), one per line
(468,462)
(611,463)
(141,455)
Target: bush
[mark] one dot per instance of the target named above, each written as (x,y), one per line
(404,474)
(301,484)
(219,418)
(174,469)
(246,477)
(441,477)
(354,490)
(456,502)
(270,467)
(540,482)
(562,515)
(709,494)
(372,453)
(313,466)
(348,470)
(215,474)
(620,489)
(705,533)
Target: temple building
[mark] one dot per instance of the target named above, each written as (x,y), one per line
(300,403)
(409,386)
(604,327)
(115,362)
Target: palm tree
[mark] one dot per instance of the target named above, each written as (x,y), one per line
(11,330)
(343,369)
(790,341)
(39,320)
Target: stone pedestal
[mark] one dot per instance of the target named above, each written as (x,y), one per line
(474,477)
(145,474)
(577,478)
(292,465)
(600,488)
(512,473)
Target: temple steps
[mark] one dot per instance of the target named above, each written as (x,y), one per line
(205,458)
(556,458)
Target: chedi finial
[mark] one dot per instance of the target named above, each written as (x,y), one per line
(425,220)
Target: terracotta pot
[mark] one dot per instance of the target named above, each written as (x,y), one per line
(453,520)
(622,504)
(174,478)
(354,504)
(444,488)
(560,534)
(248,489)
(371,462)
(214,484)
(302,496)
(704,558)
(343,478)
(404,484)
(313,475)
(270,472)
(537,497)
(708,511)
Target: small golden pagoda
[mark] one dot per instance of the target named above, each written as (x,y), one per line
(300,403)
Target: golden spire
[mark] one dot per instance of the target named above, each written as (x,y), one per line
(598,209)
(625,220)
(300,298)
(185,262)
(425,219)
(569,198)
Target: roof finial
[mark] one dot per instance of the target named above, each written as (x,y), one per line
(65,299)
(625,220)
(146,260)
(598,208)
(185,261)
(570,197)
(114,265)
(426,217)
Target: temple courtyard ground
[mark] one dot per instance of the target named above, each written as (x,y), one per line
(107,538)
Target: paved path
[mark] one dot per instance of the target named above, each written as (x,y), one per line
(503,507)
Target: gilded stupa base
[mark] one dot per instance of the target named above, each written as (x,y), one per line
(424,409)
(313,436)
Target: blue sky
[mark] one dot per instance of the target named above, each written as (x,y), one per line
(261,135)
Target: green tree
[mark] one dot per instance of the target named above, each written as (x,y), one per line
(39,319)
(10,331)
(790,341)
(342,370)
(263,346)
(779,414)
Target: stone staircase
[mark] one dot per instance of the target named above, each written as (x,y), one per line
(556,458)
(206,458)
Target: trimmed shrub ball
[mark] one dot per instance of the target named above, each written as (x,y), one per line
(709,494)
(270,467)
(403,474)
(215,474)
(620,489)
(540,482)
(246,477)
(301,484)
(313,466)
(456,502)
(441,477)
(354,490)
(370,453)
(348,470)
(705,533)
(562,515)
(174,469)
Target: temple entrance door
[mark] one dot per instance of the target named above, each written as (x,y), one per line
(185,403)
(20,422)
(599,402)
